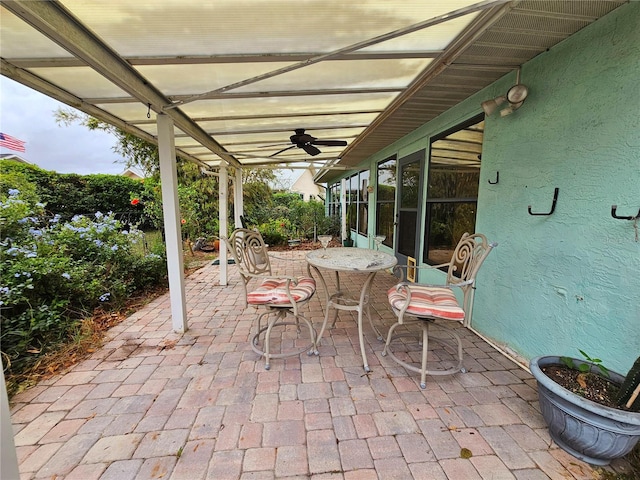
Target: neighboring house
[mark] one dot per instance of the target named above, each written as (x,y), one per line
(12,156)
(306,186)
(560,281)
(132,173)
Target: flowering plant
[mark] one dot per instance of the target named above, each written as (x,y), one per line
(55,273)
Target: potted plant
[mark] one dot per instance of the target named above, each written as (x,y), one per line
(589,429)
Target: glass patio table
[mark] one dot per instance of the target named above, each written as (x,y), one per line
(352,260)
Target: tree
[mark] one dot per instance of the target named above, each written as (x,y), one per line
(198,193)
(70,194)
(143,155)
(137,152)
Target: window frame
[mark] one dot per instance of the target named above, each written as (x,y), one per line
(386,227)
(430,201)
(363,202)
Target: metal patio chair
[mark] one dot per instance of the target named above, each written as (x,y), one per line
(436,305)
(280,295)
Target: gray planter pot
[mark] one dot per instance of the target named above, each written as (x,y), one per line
(591,432)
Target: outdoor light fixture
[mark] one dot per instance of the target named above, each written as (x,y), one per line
(515,97)
(490,106)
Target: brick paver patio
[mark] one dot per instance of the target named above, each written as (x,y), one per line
(155,404)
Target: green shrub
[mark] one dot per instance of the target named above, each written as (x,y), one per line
(56,273)
(69,194)
(275,231)
(145,272)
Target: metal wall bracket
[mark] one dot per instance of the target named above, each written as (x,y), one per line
(553,205)
(614,208)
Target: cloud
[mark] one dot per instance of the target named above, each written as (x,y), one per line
(29,115)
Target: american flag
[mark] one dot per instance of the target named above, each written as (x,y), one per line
(12,143)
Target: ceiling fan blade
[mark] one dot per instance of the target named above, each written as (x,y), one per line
(330,143)
(284,150)
(310,149)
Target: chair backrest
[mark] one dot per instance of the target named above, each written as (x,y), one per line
(467,258)
(470,253)
(249,252)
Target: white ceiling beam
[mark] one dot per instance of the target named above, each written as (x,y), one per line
(261,94)
(55,22)
(268,116)
(33,81)
(283,129)
(283,142)
(231,58)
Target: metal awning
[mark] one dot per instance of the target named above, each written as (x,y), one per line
(238,77)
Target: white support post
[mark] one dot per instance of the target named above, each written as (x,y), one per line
(223,214)
(9,457)
(172,228)
(238,203)
(343,208)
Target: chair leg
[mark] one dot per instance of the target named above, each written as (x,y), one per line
(424,341)
(314,338)
(275,318)
(267,338)
(386,349)
(425,351)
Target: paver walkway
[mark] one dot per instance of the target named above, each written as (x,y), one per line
(155,404)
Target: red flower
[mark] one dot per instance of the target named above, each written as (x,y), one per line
(135,201)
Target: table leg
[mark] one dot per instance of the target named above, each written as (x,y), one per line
(338,301)
(337,294)
(364,293)
(373,325)
(327,303)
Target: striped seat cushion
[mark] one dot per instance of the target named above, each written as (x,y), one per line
(274,292)
(428,302)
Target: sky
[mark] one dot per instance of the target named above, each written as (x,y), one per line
(29,116)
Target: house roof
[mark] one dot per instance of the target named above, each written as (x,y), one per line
(12,156)
(238,77)
(132,173)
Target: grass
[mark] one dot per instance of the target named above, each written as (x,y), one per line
(192,259)
(152,242)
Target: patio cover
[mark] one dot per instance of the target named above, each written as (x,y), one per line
(237,77)
(226,83)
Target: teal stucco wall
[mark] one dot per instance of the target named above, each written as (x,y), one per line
(570,280)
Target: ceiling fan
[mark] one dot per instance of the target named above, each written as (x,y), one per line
(308,143)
